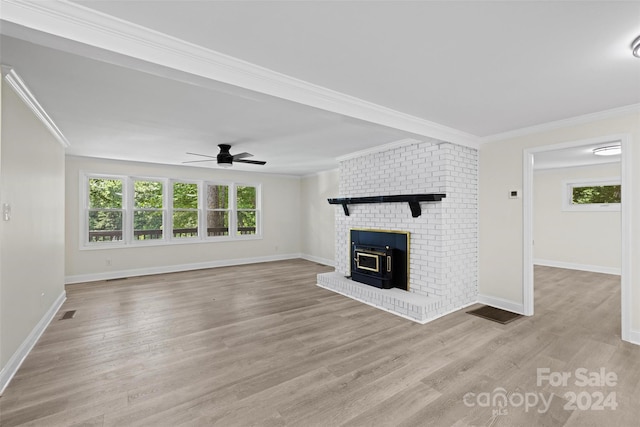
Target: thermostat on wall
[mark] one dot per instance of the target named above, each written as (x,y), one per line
(514,194)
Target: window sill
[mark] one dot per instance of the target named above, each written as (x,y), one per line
(612,207)
(172,242)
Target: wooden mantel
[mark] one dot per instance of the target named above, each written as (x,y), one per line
(413,200)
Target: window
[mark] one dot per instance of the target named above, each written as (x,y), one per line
(185,210)
(246,210)
(120,211)
(148,213)
(105,213)
(217,210)
(592,195)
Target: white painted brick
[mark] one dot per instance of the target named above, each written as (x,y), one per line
(444,240)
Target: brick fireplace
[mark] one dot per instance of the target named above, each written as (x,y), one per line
(443,262)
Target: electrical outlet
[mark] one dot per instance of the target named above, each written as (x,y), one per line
(108,262)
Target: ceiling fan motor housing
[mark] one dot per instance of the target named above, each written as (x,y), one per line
(224,158)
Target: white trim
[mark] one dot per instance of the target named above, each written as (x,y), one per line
(319,260)
(380,148)
(633,337)
(576,266)
(527,233)
(572,121)
(14,363)
(501,303)
(626,229)
(85,25)
(109,275)
(20,88)
(626,277)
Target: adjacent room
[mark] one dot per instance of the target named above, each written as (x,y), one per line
(319,213)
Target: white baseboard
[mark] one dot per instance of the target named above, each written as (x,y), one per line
(634,337)
(574,266)
(108,275)
(323,261)
(514,307)
(12,366)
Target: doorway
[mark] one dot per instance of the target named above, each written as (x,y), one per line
(625,214)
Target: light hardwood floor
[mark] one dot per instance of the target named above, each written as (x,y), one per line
(262,345)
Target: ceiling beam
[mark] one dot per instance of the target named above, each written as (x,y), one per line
(88,26)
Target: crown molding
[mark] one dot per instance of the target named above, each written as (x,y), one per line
(21,89)
(82,24)
(572,121)
(380,149)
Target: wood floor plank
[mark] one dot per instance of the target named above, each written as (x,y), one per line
(262,345)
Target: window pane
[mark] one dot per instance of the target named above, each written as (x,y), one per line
(596,194)
(105,193)
(185,224)
(185,196)
(147,194)
(147,225)
(217,223)
(217,197)
(247,222)
(246,197)
(105,226)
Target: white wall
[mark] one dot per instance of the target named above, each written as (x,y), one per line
(501,170)
(280,219)
(577,239)
(32,242)
(318,216)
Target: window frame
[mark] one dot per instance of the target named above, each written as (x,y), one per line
(258,211)
(172,210)
(128,209)
(85,209)
(567,195)
(229,210)
(131,184)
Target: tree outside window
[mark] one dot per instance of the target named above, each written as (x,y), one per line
(217,210)
(596,194)
(592,194)
(105,213)
(148,214)
(247,213)
(185,210)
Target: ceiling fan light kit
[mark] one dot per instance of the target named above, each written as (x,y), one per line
(635,47)
(611,150)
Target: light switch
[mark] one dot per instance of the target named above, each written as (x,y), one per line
(6,211)
(514,194)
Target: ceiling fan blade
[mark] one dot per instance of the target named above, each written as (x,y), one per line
(199,161)
(253,162)
(242,155)
(202,155)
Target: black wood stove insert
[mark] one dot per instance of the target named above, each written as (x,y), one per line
(380,258)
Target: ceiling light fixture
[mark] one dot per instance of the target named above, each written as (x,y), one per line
(635,47)
(611,150)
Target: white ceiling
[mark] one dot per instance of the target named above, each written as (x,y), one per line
(480,68)
(574,156)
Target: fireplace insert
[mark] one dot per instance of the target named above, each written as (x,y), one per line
(373,265)
(380,258)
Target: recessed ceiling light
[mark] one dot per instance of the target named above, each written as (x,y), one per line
(635,47)
(611,150)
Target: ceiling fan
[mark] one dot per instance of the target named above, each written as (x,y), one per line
(226,159)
